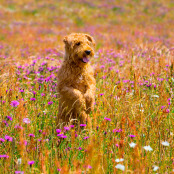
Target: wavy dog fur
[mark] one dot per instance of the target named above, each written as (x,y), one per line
(76,82)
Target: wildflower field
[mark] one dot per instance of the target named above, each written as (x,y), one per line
(133,120)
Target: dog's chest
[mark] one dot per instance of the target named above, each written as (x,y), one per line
(81,83)
(80,79)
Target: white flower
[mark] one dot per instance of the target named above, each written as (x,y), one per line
(119,160)
(165,143)
(148,148)
(132,145)
(19,160)
(45,111)
(155,168)
(156,96)
(120,166)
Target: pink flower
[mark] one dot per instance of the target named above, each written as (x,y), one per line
(14,103)
(32,99)
(117,130)
(1,140)
(4,156)
(64,136)
(19,172)
(31,163)
(82,125)
(58,130)
(108,119)
(26,120)
(42,94)
(9,118)
(8,138)
(67,128)
(167,110)
(79,148)
(132,136)
(50,102)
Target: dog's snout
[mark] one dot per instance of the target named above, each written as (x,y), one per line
(88,52)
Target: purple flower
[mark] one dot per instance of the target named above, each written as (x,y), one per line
(88,166)
(79,148)
(4,156)
(26,120)
(61,135)
(71,126)
(34,92)
(30,163)
(14,103)
(67,128)
(82,125)
(5,122)
(50,103)
(19,172)
(162,107)
(18,127)
(117,130)
(43,63)
(132,136)
(42,94)
(1,140)
(101,94)
(9,118)
(108,119)
(32,99)
(85,138)
(8,138)
(64,136)
(31,135)
(59,170)
(25,142)
(21,90)
(167,110)
(58,130)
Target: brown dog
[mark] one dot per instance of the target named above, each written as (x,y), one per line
(76,82)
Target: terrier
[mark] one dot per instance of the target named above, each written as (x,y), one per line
(76,82)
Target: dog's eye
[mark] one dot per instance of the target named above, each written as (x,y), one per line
(78,43)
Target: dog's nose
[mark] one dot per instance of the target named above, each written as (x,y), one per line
(87,52)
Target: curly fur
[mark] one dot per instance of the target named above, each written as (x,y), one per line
(76,82)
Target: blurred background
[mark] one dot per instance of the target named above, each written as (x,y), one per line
(41,25)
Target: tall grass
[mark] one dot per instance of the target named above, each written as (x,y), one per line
(134,70)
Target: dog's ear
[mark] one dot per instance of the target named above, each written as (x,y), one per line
(68,42)
(91,39)
(65,40)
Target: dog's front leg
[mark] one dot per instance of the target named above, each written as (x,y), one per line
(90,99)
(76,98)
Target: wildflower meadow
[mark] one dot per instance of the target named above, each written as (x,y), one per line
(133,120)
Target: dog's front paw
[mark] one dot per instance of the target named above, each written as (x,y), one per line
(88,98)
(89,103)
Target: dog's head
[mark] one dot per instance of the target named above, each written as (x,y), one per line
(79,48)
